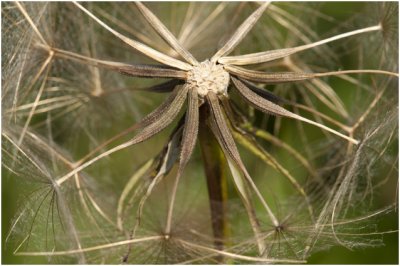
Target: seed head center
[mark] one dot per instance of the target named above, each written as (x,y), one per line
(208,76)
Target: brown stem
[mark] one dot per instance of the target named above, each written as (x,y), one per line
(215,169)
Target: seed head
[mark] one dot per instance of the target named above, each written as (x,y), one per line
(208,76)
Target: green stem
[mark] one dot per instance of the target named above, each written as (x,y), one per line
(215,169)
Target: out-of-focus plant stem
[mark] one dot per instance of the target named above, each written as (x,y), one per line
(216,173)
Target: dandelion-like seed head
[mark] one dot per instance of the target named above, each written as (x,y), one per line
(53,82)
(208,76)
